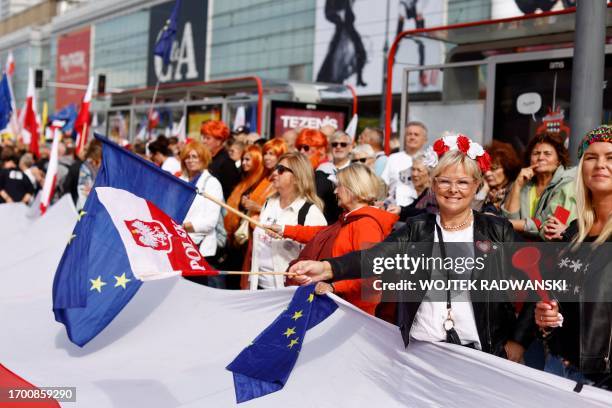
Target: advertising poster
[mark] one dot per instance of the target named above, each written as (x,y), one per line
(72,66)
(350,39)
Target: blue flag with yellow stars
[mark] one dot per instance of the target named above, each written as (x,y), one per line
(265,365)
(94,280)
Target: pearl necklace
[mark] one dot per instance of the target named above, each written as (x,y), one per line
(459,226)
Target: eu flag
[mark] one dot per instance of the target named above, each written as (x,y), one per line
(6,107)
(264,366)
(94,279)
(163,46)
(68,115)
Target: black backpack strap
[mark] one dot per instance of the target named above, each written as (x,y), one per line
(303,212)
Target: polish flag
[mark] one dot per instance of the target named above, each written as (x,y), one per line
(155,245)
(29,121)
(9,68)
(83,120)
(51,176)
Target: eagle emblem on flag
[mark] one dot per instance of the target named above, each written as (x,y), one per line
(151,234)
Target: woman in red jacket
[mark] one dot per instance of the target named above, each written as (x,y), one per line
(359,226)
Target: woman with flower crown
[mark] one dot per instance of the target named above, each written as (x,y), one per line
(449,315)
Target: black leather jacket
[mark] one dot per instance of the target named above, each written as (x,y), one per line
(585,339)
(496,322)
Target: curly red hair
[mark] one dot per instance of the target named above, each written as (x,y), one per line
(215,128)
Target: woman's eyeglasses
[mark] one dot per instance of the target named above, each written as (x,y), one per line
(280,169)
(304,148)
(362,160)
(445,184)
(339,144)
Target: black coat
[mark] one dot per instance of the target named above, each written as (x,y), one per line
(496,322)
(325,191)
(224,169)
(585,339)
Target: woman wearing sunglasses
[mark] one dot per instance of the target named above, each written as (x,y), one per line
(364,154)
(341,147)
(313,144)
(295,202)
(450,315)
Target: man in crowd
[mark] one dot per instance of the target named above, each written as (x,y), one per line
(325,175)
(374,137)
(214,134)
(397,171)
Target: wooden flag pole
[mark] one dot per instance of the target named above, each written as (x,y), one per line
(256,273)
(240,214)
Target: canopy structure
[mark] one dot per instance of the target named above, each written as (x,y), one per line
(516,33)
(239,87)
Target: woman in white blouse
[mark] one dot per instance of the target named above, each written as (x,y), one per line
(296,202)
(203,215)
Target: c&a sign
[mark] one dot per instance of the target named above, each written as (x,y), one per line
(189,49)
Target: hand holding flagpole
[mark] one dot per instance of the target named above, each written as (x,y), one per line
(240,214)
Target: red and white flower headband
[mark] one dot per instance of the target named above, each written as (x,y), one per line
(465,145)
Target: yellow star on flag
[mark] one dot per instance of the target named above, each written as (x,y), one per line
(311,297)
(289,331)
(293,342)
(81,214)
(121,281)
(297,315)
(97,284)
(71,238)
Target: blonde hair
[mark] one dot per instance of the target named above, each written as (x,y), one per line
(363,183)
(304,177)
(586,212)
(454,158)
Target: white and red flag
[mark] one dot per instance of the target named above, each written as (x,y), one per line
(156,246)
(83,120)
(30,127)
(51,176)
(9,68)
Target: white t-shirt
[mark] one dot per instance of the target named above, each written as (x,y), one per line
(171,165)
(396,175)
(271,254)
(428,323)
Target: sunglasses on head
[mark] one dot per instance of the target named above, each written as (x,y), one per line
(362,160)
(305,148)
(339,144)
(280,169)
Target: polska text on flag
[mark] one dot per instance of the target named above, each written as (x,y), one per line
(128,231)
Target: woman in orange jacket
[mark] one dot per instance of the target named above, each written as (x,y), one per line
(359,226)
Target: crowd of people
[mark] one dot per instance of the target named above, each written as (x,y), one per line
(323,202)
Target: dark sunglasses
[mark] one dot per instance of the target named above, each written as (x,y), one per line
(305,148)
(341,144)
(362,160)
(280,169)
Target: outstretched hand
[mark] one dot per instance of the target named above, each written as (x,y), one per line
(307,272)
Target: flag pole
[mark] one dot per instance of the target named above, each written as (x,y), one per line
(151,109)
(255,273)
(240,214)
